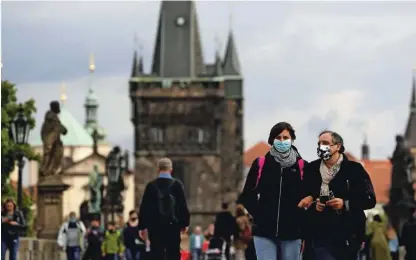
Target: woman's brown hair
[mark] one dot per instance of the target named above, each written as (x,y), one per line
(8,200)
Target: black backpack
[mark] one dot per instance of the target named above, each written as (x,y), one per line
(166,205)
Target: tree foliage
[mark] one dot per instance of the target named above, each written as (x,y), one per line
(9,109)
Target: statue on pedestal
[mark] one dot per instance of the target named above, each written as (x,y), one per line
(401,191)
(52,145)
(401,177)
(95,183)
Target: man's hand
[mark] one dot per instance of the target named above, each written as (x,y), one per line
(306,202)
(319,206)
(335,203)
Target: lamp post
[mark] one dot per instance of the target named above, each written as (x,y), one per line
(20,132)
(113,175)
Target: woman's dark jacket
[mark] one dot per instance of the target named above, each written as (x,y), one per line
(353,185)
(263,202)
(11,232)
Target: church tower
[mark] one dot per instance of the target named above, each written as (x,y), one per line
(410,133)
(189,111)
(91,106)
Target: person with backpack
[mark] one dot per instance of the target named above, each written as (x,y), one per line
(244,235)
(342,190)
(13,225)
(70,237)
(164,213)
(94,238)
(274,195)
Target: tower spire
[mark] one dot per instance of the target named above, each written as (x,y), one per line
(365,149)
(231,64)
(218,62)
(410,133)
(63,96)
(137,65)
(178,39)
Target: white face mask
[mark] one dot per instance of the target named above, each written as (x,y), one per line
(324,152)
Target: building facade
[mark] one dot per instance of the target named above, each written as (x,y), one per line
(189,111)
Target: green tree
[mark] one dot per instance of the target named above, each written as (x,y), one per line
(9,108)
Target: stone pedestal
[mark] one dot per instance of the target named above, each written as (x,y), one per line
(49,206)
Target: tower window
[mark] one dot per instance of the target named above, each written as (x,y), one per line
(156,134)
(199,135)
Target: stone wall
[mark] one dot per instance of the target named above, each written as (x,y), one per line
(39,249)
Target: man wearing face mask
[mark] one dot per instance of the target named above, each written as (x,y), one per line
(275,197)
(70,237)
(342,190)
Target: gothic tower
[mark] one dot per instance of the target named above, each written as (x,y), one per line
(189,111)
(410,133)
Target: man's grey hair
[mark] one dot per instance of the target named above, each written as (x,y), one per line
(164,164)
(336,138)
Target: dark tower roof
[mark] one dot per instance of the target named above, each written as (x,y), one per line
(410,133)
(231,65)
(365,150)
(218,64)
(137,66)
(178,39)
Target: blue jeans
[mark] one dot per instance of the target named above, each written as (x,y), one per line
(268,249)
(12,246)
(73,253)
(196,254)
(132,254)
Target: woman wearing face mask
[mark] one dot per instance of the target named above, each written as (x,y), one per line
(12,226)
(272,193)
(342,190)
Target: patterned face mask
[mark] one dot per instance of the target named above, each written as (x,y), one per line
(324,152)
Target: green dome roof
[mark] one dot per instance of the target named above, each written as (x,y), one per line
(76,136)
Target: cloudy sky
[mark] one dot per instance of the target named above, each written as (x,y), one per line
(343,66)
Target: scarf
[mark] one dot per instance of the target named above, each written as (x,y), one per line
(328,174)
(287,159)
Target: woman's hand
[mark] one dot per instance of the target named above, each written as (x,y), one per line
(306,202)
(13,223)
(319,206)
(335,203)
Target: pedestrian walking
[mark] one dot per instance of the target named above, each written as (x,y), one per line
(225,227)
(408,236)
(275,197)
(342,190)
(379,246)
(94,238)
(196,241)
(164,213)
(13,224)
(244,235)
(112,247)
(71,237)
(134,244)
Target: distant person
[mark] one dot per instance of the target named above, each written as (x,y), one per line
(275,197)
(70,237)
(379,245)
(196,241)
(112,247)
(408,237)
(209,232)
(225,227)
(164,213)
(94,237)
(342,190)
(393,243)
(134,244)
(244,235)
(13,224)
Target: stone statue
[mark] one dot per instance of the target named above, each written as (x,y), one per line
(401,177)
(52,145)
(94,184)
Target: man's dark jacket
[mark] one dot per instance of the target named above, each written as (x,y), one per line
(149,212)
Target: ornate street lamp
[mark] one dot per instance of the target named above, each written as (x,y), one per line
(112,175)
(20,132)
